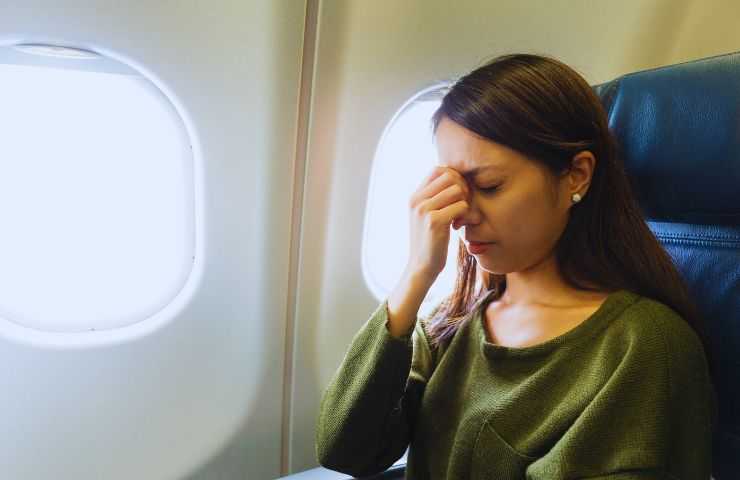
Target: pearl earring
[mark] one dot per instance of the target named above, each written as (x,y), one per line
(576,198)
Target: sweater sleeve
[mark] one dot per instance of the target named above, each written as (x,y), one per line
(652,419)
(367,413)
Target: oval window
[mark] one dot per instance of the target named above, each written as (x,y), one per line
(96,192)
(404,157)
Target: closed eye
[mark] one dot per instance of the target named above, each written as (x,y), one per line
(489,189)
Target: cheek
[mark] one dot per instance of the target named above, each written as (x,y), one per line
(526,221)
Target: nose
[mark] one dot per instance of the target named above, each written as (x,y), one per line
(468,218)
(472,215)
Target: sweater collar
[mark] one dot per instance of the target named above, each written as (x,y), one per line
(613,306)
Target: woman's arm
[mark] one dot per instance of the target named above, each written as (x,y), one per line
(369,409)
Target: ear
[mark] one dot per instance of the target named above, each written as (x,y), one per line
(581,172)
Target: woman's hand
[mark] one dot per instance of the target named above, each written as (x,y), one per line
(440,200)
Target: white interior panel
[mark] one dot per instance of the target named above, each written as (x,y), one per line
(373,56)
(194,389)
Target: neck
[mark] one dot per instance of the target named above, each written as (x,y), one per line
(540,285)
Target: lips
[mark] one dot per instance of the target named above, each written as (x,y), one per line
(478,243)
(477,248)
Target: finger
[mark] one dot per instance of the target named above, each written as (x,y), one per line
(440,194)
(460,180)
(436,172)
(439,184)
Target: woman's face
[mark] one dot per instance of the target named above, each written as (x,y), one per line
(511,202)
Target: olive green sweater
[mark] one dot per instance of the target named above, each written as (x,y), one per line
(626,394)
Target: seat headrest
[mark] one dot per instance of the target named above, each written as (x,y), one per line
(679,134)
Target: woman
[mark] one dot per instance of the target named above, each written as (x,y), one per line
(569,347)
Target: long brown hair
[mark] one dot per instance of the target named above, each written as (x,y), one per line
(545,110)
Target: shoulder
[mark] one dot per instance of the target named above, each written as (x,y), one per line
(648,340)
(652,316)
(688,370)
(684,347)
(650,321)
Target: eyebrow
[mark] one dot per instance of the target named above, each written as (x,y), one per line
(475,171)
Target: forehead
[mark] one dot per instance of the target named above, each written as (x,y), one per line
(470,154)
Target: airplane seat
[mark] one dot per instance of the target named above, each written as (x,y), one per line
(678,128)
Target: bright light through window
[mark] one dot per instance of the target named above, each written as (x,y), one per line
(96,199)
(405,157)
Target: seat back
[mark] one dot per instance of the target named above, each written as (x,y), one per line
(678,128)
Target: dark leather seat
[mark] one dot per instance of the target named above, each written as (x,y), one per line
(679,130)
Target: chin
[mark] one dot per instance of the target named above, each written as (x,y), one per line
(492,269)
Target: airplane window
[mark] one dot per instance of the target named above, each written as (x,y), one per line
(404,157)
(96,192)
